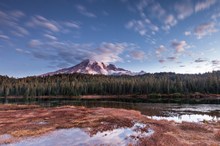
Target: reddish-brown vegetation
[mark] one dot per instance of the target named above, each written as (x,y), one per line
(217,134)
(25,120)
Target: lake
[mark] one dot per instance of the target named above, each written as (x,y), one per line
(158,111)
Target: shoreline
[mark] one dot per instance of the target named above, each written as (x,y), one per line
(152,98)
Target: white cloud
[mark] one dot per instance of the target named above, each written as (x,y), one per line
(184,9)
(169,21)
(35,43)
(205,29)
(22,51)
(71,53)
(82,10)
(215,16)
(187,33)
(153,9)
(138,25)
(142,26)
(137,55)
(110,52)
(72,24)
(204,4)
(158,10)
(179,46)
(4,37)
(50,37)
(40,21)
(160,50)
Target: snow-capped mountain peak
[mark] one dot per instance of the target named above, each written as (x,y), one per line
(93,67)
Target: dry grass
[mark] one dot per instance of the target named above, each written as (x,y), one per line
(217,135)
(4,107)
(25,121)
(29,132)
(186,126)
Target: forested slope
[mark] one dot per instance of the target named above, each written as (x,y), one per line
(81,84)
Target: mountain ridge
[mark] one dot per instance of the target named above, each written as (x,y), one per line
(95,68)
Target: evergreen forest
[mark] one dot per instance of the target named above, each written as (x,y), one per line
(82,84)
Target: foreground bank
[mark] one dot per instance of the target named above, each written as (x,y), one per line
(25,124)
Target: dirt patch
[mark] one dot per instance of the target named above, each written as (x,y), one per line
(21,121)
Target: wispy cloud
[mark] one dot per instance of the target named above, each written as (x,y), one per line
(162,60)
(179,48)
(110,52)
(11,20)
(204,4)
(71,53)
(10,17)
(82,10)
(20,31)
(149,11)
(4,37)
(215,62)
(201,60)
(17,23)
(16,14)
(72,24)
(50,37)
(205,29)
(22,51)
(40,21)
(152,10)
(172,58)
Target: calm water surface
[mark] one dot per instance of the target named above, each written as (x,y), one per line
(79,137)
(168,111)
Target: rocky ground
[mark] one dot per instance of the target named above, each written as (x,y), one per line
(22,121)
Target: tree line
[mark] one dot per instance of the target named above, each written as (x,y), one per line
(82,84)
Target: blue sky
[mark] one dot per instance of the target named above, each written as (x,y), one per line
(40,36)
